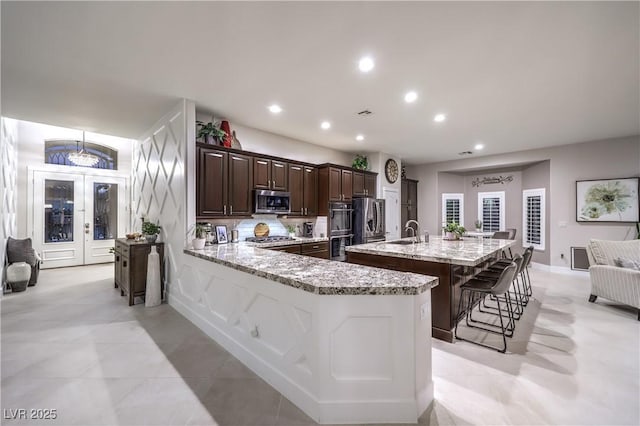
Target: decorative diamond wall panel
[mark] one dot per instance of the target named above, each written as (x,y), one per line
(158,182)
(8,182)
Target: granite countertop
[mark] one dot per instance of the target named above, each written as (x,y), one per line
(318,276)
(466,251)
(297,240)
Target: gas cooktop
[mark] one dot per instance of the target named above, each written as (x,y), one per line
(270,239)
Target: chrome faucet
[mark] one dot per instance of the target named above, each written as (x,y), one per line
(416,232)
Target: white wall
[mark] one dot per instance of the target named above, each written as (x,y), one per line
(8,177)
(163,182)
(612,158)
(31,138)
(261,142)
(377,161)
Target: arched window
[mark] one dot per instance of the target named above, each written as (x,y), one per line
(57,152)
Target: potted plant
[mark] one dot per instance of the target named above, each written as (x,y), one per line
(360,162)
(478,224)
(210,133)
(453,231)
(150,231)
(200,233)
(292,230)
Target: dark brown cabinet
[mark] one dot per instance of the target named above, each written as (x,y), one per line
(224,181)
(340,183)
(358,184)
(364,183)
(409,203)
(337,183)
(131,267)
(269,174)
(303,184)
(370,183)
(310,191)
(319,249)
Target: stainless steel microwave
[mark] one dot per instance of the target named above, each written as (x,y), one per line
(272,202)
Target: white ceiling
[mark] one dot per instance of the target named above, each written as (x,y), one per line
(512,75)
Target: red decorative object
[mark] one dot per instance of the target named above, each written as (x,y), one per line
(225,127)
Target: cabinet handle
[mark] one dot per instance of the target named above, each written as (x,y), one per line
(124,264)
(224,211)
(231,208)
(269,183)
(117,258)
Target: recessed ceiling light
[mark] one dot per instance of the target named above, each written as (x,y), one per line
(439,118)
(410,97)
(275,109)
(366,64)
(325,125)
(478,147)
(360,138)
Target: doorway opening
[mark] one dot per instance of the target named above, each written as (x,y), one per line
(76,216)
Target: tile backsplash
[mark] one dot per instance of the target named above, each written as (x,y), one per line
(277,226)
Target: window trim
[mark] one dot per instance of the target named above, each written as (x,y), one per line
(543,228)
(452,196)
(496,194)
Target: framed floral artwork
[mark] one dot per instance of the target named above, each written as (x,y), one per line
(607,200)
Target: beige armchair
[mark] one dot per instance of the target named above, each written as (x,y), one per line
(610,281)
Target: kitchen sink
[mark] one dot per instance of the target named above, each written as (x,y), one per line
(402,242)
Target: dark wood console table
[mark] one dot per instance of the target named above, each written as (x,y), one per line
(131,267)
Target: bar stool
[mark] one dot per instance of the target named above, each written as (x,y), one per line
(518,297)
(480,289)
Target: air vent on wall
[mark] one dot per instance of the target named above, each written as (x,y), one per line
(364,112)
(465,153)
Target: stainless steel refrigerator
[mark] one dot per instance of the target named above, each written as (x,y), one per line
(368,220)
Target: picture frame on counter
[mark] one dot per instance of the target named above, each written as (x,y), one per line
(221,234)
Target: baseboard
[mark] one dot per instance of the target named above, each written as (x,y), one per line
(558,269)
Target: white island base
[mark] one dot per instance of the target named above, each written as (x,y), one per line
(340,358)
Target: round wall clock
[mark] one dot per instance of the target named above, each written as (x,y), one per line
(391,170)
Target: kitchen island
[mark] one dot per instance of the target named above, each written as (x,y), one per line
(345,343)
(453,262)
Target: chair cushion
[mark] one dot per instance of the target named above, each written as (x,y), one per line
(20,251)
(627,263)
(605,252)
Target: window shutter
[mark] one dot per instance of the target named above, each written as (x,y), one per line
(453,211)
(533,222)
(491,214)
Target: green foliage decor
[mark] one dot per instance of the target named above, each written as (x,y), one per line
(454,228)
(150,228)
(360,162)
(210,130)
(200,231)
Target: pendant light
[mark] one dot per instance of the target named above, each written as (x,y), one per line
(82,157)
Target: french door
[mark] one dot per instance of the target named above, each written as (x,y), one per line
(77,217)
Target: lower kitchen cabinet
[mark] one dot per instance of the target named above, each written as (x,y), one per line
(319,249)
(131,267)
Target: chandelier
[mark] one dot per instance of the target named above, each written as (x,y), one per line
(82,157)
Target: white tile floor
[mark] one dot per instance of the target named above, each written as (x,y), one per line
(72,344)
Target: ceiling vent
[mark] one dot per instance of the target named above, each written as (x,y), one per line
(364,112)
(465,153)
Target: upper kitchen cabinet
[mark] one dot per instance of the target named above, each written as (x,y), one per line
(370,183)
(212,182)
(269,174)
(303,186)
(364,183)
(336,183)
(409,202)
(223,184)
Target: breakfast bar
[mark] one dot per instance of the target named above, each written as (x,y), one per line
(453,262)
(345,343)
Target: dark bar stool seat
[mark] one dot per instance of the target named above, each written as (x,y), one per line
(476,290)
